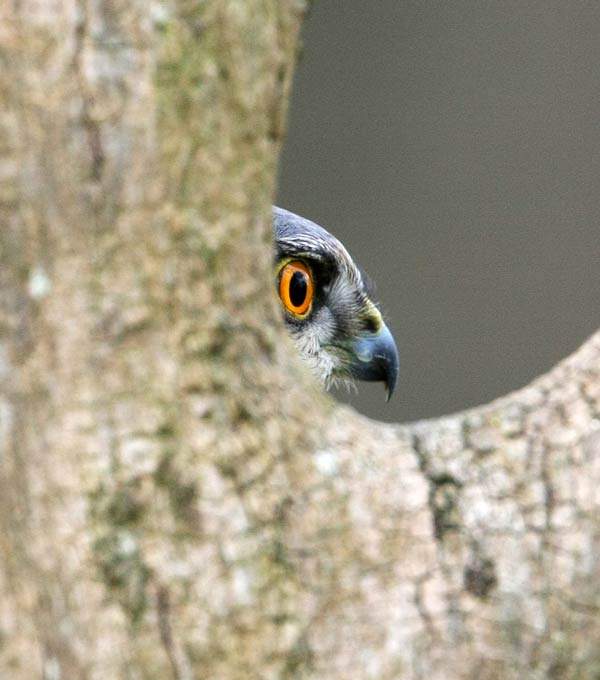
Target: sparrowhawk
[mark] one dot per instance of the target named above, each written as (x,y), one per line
(328,307)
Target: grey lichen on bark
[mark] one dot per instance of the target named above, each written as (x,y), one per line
(177,498)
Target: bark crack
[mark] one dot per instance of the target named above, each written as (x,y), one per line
(180,665)
(89,123)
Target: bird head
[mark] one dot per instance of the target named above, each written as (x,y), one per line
(327,305)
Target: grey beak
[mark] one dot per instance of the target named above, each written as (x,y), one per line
(376,358)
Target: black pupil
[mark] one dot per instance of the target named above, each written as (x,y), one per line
(298,288)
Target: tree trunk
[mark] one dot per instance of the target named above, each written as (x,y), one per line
(177,499)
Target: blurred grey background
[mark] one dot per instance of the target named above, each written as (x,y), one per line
(455,149)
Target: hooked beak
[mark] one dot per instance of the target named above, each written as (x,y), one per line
(375,357)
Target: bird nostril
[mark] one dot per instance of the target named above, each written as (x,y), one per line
(371,325)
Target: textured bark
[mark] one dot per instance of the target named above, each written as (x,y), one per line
(177,499)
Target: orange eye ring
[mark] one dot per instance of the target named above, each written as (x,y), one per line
(296,288)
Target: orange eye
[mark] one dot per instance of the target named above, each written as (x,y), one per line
(296,288)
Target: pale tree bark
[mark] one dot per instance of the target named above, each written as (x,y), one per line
(177,498)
